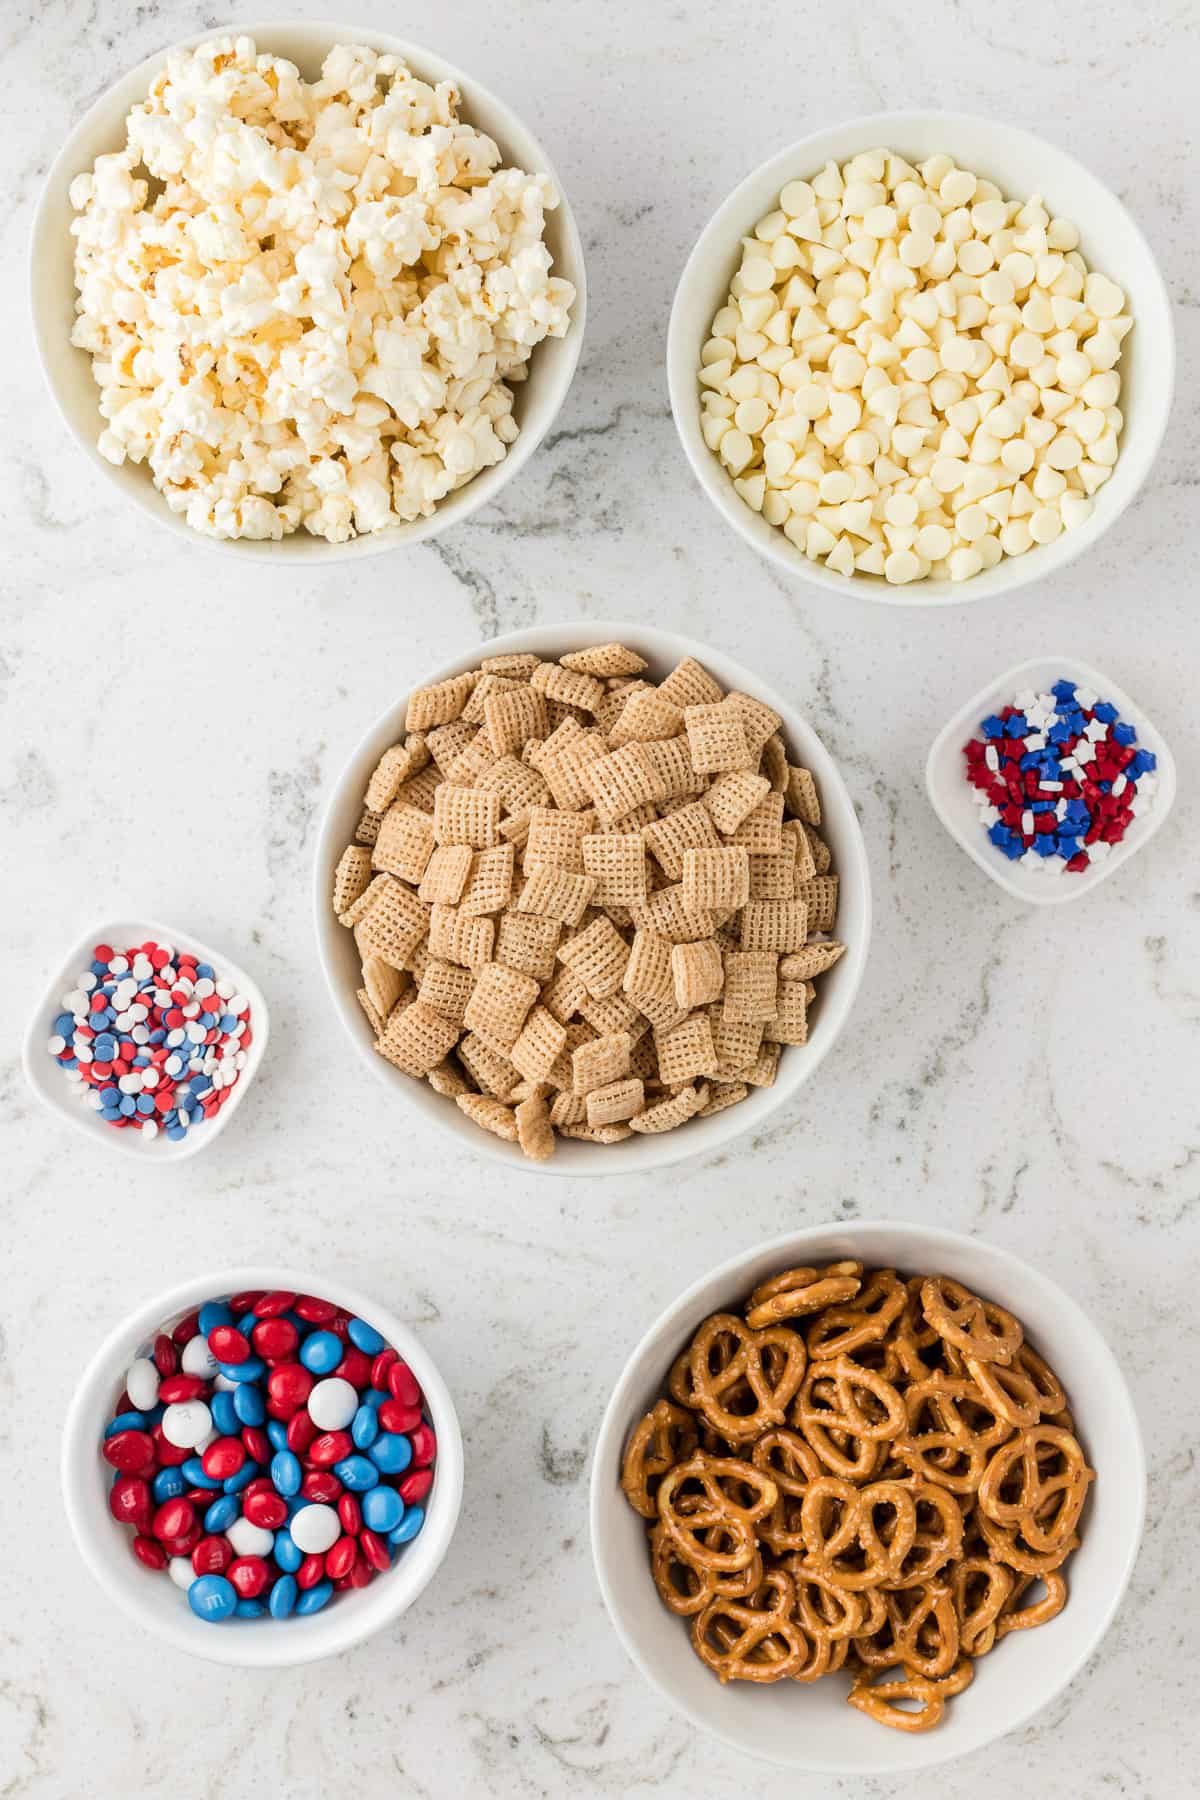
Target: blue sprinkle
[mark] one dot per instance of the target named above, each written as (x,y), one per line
(145,1105)
(1106,712)
(1044,844)
(228,1021)
(128,1106)
(282,1597)
(315,1598)
(205,972)
(176,1132)
(992,727)
(1063,690)
(64,1025)
(1123,734)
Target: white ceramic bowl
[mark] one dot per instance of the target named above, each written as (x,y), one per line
(55,1091)
(953,798)
(150,1597)
(1020,164)
(813,1728)
(69,371)
(840,828)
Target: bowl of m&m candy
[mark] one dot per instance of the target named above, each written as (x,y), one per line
(262,1468)
(146,1039)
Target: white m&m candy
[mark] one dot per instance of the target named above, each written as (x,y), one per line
(315,1529)
(332,1404)
(186,1423)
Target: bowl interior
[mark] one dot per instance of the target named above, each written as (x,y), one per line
(69,371)
(812,1727)
(837,989)
(1021,165)
(47,1079)
(953,800)
(150,1597)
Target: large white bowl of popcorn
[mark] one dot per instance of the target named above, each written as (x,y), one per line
(321,295)
(897,373)
(558,1004)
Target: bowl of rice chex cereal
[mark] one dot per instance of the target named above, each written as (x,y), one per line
(592,897)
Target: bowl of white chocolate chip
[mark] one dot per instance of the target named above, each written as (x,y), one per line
(925,356)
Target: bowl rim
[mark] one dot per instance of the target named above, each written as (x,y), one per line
(660,1151)
(723,228)
(343,1627)
(146,498)
(56,1096)
(1057,890)
(790,1246)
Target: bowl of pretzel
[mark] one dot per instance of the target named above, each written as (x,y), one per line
(866,1497)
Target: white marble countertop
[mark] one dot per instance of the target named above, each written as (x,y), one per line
(1026,1074)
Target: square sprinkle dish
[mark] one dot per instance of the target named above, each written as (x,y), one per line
(588,904)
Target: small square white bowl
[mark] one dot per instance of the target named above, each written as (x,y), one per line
(51,1086)
(953,798)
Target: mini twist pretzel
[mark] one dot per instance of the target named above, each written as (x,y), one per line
(979,1328)
(881,1700)
(980,1588)
(714,1505)
(764,1643)
(925,1629)
(1039,1496)
(687,1590)
(842,1539)
(666,1436)
(1024,1392)
(864,1320)
(1040,1612)
(828,1402)
(787,1459)
(942,1445)
(939,1534)
(824,1608)
(770,1362)
(912,1337)
(799,1291)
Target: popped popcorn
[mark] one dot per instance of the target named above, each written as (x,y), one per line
(912,376)
(305,302)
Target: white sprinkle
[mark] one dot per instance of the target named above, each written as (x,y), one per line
(1120,784)
(991,757)
(56,1045)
